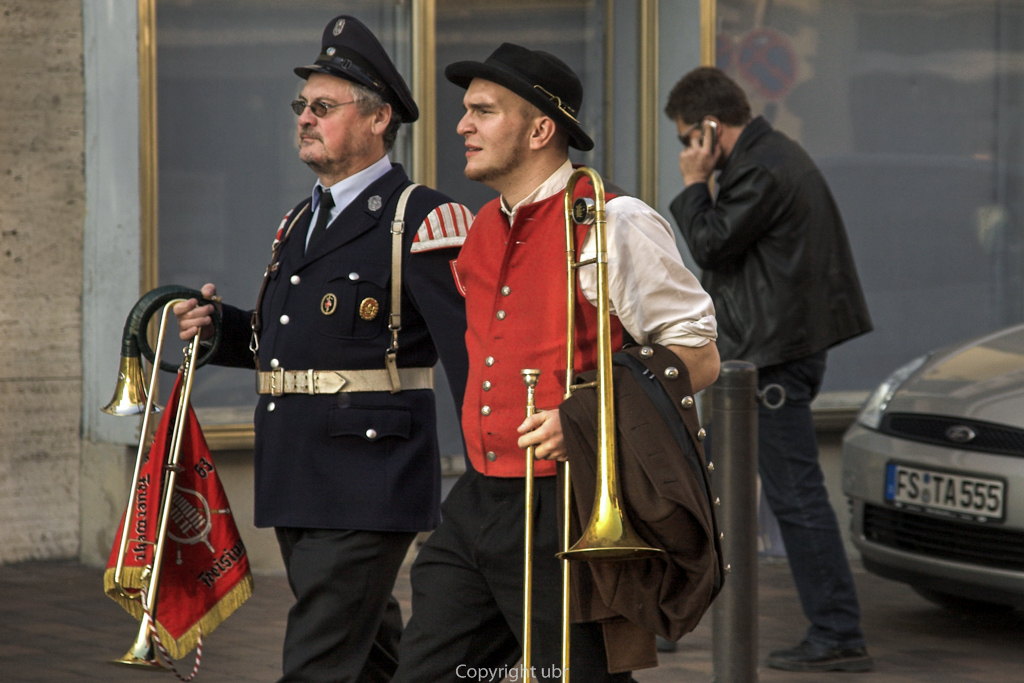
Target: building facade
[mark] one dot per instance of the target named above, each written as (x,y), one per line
(128,133)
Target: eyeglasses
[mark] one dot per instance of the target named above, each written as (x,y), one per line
(684,137)
(318,108)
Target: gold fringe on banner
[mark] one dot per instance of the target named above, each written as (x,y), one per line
(211,620)
(178,648)
(131,578)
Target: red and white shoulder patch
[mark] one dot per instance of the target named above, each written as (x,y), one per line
(445,226)
(280,228)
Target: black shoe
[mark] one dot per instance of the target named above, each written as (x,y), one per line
(808,656)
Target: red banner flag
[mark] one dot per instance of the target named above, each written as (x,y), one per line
(204,576)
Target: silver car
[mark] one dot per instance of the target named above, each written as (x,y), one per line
(934,471)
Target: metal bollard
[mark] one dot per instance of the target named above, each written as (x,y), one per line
(734,427)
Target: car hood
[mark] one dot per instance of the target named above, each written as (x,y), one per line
(982,379)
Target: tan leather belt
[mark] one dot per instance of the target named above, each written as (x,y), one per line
(280,381)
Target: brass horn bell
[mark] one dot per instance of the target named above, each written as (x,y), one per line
(130,396)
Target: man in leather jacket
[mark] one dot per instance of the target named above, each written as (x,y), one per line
(778,266)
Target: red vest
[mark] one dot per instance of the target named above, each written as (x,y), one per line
(514,280)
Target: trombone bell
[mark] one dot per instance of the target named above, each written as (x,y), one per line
(609,536)
(130,392)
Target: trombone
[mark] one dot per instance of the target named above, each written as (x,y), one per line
(132,398)
(608,535)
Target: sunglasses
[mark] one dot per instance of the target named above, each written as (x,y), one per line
(318,108)
(684,137)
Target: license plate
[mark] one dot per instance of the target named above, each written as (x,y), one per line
(976,498)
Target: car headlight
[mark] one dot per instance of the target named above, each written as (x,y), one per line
(871,414)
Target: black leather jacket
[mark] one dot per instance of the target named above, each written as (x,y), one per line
(774,253)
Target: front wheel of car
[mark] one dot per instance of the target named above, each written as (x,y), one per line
(958,603)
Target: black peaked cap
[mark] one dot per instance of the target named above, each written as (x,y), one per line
(539,77)
(349,50)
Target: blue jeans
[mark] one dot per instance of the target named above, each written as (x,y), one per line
(794,486)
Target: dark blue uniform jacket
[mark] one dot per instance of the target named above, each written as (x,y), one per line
(315,466)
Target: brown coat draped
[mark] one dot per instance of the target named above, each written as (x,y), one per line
(666,492)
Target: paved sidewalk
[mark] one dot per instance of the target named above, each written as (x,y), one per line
(57,625)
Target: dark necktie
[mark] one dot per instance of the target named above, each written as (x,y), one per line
(323,217)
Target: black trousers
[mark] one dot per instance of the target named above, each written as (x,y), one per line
(467,604)
(345,625)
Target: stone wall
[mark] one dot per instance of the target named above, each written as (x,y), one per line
(42,210)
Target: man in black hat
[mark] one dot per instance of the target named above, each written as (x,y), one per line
(356,307)
(522,109)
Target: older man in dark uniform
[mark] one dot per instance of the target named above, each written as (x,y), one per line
(356,306)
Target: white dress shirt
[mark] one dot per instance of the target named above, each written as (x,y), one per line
(656,298)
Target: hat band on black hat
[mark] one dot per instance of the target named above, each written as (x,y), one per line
(557,101)
(359,74)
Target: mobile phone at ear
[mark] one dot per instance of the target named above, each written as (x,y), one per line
(709,128)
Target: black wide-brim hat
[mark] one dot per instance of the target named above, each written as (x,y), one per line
(349,50)
(539,77)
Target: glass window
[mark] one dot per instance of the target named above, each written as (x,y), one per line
(912,111)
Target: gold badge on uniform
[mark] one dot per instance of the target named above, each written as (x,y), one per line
(328,304)
(368,308)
